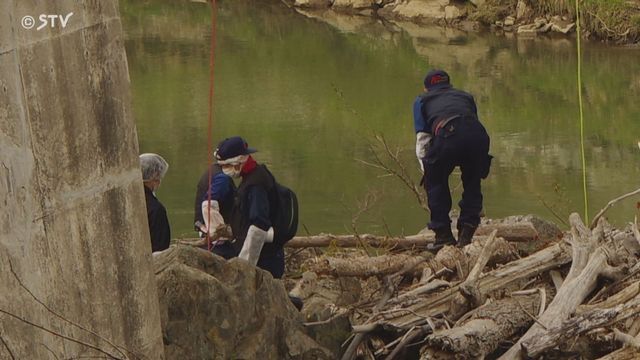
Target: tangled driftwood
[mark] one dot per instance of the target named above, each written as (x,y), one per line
(578,296)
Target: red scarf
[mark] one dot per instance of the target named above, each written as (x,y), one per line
(248,166)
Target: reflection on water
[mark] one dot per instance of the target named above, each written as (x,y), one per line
(310,94)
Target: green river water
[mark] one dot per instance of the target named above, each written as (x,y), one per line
(311,94)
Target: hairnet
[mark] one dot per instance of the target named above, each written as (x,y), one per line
(154,167)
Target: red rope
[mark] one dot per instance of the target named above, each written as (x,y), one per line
(210,127)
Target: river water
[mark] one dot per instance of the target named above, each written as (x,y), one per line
(313,94)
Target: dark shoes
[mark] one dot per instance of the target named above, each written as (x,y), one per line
(465,234)
(444,237)
(297,302)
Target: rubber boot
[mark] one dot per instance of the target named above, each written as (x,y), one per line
(297,302)
(444,236)
(465,234)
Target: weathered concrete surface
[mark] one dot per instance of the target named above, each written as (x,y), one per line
(214,309)
(72,213)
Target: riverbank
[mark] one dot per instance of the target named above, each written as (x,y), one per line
(612,21)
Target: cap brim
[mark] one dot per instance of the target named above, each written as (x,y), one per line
(439,86)
(250,150)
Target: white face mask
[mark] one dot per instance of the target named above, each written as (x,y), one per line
(232,171)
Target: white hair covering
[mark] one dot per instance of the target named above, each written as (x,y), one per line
(154,167)
(240,159)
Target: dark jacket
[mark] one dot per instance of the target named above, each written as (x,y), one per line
(255,202)
(436,105)
(158,222)
(222,190)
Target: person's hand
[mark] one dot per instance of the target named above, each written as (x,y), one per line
(222,232)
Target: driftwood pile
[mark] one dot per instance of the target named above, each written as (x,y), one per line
(511,294)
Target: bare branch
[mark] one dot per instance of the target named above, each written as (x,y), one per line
(119,349)
(609,205)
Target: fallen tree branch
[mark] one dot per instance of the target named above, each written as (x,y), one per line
(510,232)
(609,205)
(489,326)
(469,288)
(524,268)
(579,325)
(586,265)
(626,339)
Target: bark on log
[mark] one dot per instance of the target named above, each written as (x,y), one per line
(578,325)
(450,256)
(490,325)
(511,232)
(366,266)
(524,268)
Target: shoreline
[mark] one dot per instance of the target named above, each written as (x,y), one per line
(614,23)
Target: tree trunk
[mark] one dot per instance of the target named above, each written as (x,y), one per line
(490,325)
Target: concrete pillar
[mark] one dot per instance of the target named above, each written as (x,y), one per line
(75,254)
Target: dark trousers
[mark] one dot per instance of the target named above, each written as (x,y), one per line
(273,263)
(463,142)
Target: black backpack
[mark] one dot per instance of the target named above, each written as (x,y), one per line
(285,219)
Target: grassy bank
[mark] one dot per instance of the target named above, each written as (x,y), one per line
(609,20)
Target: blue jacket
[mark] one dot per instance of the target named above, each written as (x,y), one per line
(222,189)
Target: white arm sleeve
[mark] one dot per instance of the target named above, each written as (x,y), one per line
(253,244)
(423,140)
(211,215)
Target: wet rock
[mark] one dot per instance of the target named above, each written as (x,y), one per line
(452,13)
(417,10)
(214,309)
(509,21)
(522,10)
(540,22)
(562,26)
(352,4)
(315,4)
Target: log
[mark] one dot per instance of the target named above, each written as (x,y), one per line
(510,232)
(618,298)
(541,261)
(586,266)
(579,325)
(518,232)
(489,326)
(366,266)
(451,257)
(469,288)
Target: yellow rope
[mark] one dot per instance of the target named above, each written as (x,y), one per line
(584,161)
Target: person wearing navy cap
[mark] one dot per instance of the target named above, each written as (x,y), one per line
(449,134)
(255,201)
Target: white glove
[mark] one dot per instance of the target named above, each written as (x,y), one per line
(211,215)
(253,243)
(423,140)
